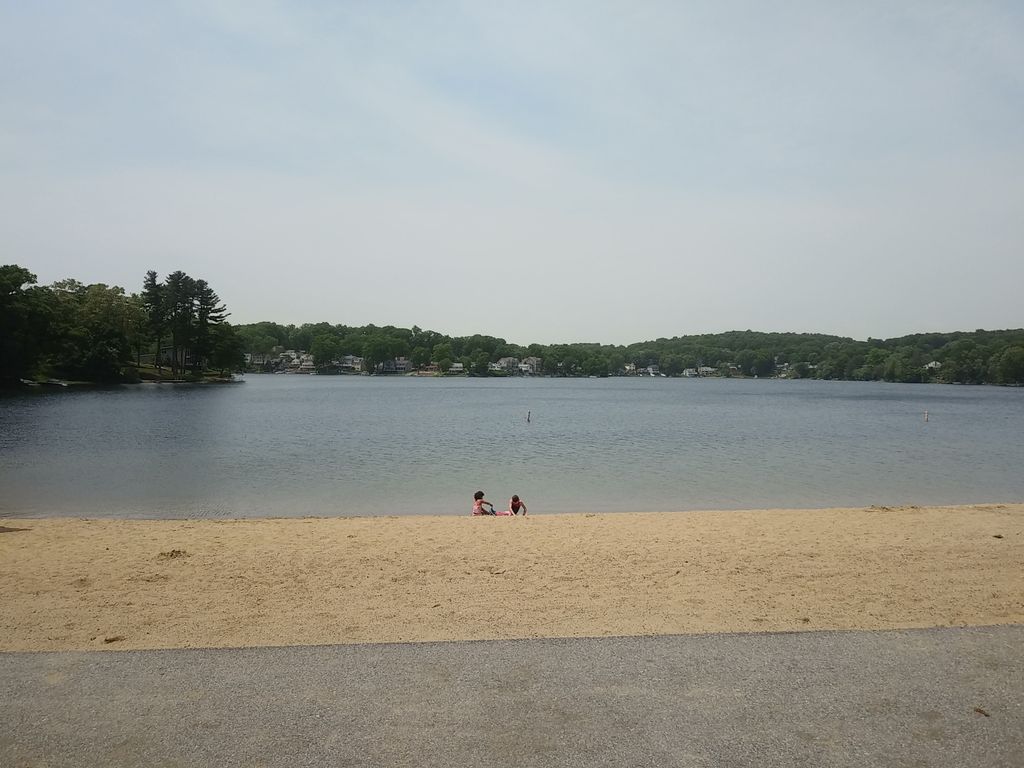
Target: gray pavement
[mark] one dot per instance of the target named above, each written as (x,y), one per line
(807,699)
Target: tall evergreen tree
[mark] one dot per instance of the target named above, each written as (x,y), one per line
(154,301)
(208,312)
(180,295)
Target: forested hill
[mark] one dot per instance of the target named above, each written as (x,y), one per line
(177,327)
(977,357)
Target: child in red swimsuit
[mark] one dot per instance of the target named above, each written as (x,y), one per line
(479,502)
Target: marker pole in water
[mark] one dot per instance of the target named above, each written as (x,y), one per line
(528,417)
(926,416)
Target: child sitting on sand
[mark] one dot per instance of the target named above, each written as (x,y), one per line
(479,502)
(478,506)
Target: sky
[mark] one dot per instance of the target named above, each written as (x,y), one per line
(540,171)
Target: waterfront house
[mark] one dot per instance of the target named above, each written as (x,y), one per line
(351,364)
(258,358)
(532,364)
(184,356)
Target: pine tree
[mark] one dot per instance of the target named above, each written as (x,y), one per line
(208,312)
(180,295)
(154,302)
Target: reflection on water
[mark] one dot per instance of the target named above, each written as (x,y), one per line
(319,445)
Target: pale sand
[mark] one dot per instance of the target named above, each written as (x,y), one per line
(75,584)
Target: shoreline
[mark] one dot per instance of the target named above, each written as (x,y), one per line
(154,516)
(113,584)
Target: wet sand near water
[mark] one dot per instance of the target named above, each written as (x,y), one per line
(74,584)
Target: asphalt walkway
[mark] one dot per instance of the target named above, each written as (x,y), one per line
(942,697)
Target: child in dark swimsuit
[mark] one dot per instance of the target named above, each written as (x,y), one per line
(515,505)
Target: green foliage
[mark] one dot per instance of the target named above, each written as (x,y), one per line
(91,331)
(443,352)
(227,349)
(209,312)
(325,348)
(419,357)
(595,365)
(976,357)
(375,350)
(154,304)
(1011,366)
(26,313)
(190,311)
(254,342)
(480,361)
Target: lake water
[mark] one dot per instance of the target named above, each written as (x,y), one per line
(356,445)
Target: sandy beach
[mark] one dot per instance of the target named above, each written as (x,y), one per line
(128,584)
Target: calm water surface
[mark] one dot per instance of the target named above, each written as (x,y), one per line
(332,445)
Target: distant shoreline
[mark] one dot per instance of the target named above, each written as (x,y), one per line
(105,584)
(57,385)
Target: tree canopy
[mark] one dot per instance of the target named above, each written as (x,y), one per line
(98,333)
(976,357)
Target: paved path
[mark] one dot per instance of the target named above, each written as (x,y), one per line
(809,699)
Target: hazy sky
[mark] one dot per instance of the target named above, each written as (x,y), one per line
(550,171)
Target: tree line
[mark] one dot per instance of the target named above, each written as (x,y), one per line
(189,315)
(99,333)
(975,357)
